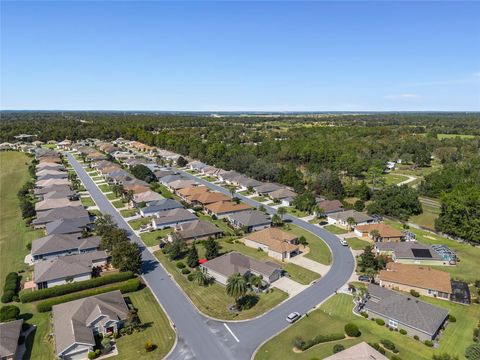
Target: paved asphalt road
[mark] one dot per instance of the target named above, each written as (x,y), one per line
(202,338)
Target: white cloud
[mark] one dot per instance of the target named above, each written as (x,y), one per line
(406,97)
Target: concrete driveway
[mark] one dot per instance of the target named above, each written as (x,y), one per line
(291,287)
(311,265)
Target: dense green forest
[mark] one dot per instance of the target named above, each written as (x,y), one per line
(331,155)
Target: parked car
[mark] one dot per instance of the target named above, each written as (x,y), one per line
(343,242)
(364,278)
(291,318)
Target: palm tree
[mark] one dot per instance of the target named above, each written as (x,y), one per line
(236,286)
(200,277)
(351,221)
(281,211)
(129,196)
(375,234)
(256,281)
(276,220)
(318,210)
(232,189)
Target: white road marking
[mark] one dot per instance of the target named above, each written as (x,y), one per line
(231,332)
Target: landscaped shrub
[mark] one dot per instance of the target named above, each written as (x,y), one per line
(414,293)
(149,346)
(186,271)
(307,344)
(452,318)
(380,322)
(180,265)
(337,348)
(59,290)
(364,314)
(416,337)
(429,343)
(377,347)
(91,355)
(387,344)
(403,331)
(8,296)
(395,357)
(9,312)
(10,288)
(352,330)
(124,287)
(190,277)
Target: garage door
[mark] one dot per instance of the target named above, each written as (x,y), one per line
(78,356)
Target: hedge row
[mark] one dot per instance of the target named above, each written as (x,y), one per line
(26,297)
(124,287)
(307,344)
(10,288)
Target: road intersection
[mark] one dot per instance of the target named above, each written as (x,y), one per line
(200,337)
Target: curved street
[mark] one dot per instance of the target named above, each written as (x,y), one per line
(200,337)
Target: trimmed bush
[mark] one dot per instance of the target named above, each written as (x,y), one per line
(180,265)
(337,348)
(8,296)
(429,343)
(60,290)
(307,344)
(377,347)
(11,287)
(190,277)
(91,355)
(380,322)
(124,287)
(403,331)
(352,330)
(9,312)
(416,337)
(387,344)
(186,271)
(414,293)
(452,318)
(364,314)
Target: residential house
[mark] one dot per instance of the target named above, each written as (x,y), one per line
(145,197)
(197,230)
(48,204)
(341,218)
(410,253)
(251,220)
(171,218)
(170,178)
(266,188)
(285,196)
(180,184)
(155,207)
(65,269)
(222,267)
(75,323)
(329,207)
(187,192)
(361,351)
(276,243)
(67,212)
(40,192)
(53,246)
(243,182)
(405,312)
(207,198)
(9,339)
(223,209)
(68,226)
(65,144)
(136,188)
(228,175)
(50,182)
(164,172)
(61,193)
(385,232)
(196,165)
(51,173)
(49,166)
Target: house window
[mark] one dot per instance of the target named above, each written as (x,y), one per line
(392,324)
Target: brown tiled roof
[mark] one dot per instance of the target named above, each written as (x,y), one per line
(417,276)
(136,188)
(209,198)
(276,239)
(192,190)
(226,206)
(330,205)
(385,230)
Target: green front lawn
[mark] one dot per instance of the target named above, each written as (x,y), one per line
(152,238)
(157,330)
(319,250)
(356,243)
(14,234)
(337,311)
(296,212)
(394,179)
(97,178)
(87,201)
(466,269)
(223,225)
(105,188)
(112,196)
(334,229)
(137,223)
(213,299)
(38,343)
(300,274)
(118,204)
(162,190)
(128,212)
(259,198)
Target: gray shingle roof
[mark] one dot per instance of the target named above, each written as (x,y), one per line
(9,334)
(174,216)
(61,243)
(71,319)
(198,229)
(406,310)
(68,212)
(357,216)
(410,250)
(48,189)
(162,205)
(67,226)
(250,218)
(267,188)
(66,266)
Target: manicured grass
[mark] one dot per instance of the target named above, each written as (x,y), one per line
(163,190)
(87,201)
(296,212)
(227,230)
(213,299)
(394,179)
(356,243)
(95,212)
(137,223)
(334,229)
(319,251)
(97,178)
(260,198)
(158,330)
(153,237)
(128,212)
(105,188)
(337,311)
(244,192)
(297,273)
(38,343)
(466,269)
(118,204)
(112,196)
(210,179)
(14,235)
(427,218)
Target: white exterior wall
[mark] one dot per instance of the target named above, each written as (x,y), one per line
(63,281)
(218,277)
(271,253)
(76,351)
(277,255)
(260,227)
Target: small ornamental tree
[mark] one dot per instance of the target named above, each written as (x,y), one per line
(352,330)
(192,259)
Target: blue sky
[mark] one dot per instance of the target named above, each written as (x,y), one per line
(207,56)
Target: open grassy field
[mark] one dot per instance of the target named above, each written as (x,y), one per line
(466,269)
(394,179)
(157,330)
(14,235)
(337,311)
(213,299)
(153,237)
(334,229)
(319,251)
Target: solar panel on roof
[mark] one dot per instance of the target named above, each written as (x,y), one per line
(421,253)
